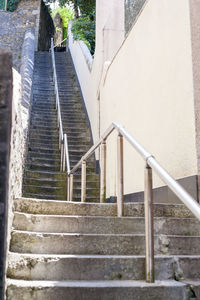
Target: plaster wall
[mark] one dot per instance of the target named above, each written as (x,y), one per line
(195,37)
(149,90)
(145,84)
(109,37)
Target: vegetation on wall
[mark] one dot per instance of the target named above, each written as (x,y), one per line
(83,27)
(66,15)
(85,7)
(12,5)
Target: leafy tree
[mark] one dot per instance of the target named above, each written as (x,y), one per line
(83,29)
(86,6)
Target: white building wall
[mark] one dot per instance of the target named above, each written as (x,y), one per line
(147,87)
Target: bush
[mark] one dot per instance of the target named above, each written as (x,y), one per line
(83,29)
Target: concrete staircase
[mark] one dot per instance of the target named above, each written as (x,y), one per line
(42,176)
(83,251)
(63,250)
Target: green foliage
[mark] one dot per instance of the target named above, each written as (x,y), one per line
(83,29)
(66,15)
(86,6)
(12,5)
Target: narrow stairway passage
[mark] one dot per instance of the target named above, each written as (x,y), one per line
(42,176)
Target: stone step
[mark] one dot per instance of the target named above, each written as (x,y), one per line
(33,153)
(57,190)
(76,199)
(90,290)
(33,133)
(43,149)
(44,182)
(50,140)
(60,190)
(69,104)
(38,167)
(107,225)
(45,175)
(55,182)
(90,267)
(53,124)
(98,267)
(83,147)
(44,196)
(53,117)
(35,206)
(43,161)
(102,244)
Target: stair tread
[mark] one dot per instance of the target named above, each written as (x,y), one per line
(90,283)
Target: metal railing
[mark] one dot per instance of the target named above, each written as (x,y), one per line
(150,164)
(63,143)
(60,44)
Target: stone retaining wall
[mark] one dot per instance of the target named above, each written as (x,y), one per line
(5,136)
(15,24)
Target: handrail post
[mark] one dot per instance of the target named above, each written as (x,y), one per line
(83,181)
(103,173)
(71,187)
(68,188)
(149,229)
(120,176)
(62,165)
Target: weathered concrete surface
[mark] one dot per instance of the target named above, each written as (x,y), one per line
(99,267)
(111,225)
(101,290)
(132,9)
(5,138)
(36,206)
(104,244)
(86,267)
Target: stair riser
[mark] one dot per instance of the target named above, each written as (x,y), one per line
(49,182)
(24,242)
(101,293)
(103,225)
(43,196)
(85,268)
(84,209)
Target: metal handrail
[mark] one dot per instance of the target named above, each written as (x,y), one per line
(150,161)
(63,143)
(150,164)
(59,44)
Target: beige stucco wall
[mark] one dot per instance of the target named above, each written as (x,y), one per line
(148,88)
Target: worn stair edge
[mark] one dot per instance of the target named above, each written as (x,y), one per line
(90,290)
(103,224)
(36,206)
(105,244)
(85,267)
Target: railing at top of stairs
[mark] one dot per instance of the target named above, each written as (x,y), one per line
(150,164)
